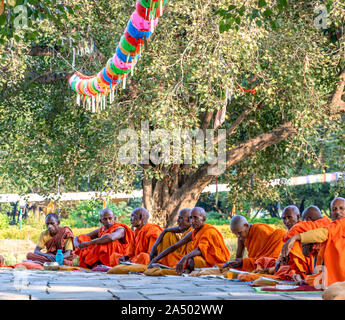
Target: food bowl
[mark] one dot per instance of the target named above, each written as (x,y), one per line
(53,266)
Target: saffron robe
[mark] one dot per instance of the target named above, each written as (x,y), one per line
(262,241)
(58,241)
(142,243)
(212,246)
(107,253)
(333,255)
(169,239)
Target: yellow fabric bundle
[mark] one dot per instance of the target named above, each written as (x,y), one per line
(156,272)
(125,269)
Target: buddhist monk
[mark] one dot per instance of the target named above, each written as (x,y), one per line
(260,240)
(172,235)
(334,243)
(311,219)
(298,265)
(105,245)
(52,239)
(2,261)
(312,213)
(145,236)
(209,248)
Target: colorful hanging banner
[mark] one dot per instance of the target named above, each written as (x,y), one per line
(94,91)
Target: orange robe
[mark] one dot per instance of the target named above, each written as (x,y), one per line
(334,252)
(298,263)
(107,253)
(262,241)
(174,257)
(211,244)
(142,243)
(304,226)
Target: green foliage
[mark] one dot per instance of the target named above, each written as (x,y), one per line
(182,74)
(215,218)
(5,207)
(86,213)
(272,221)
(4,221)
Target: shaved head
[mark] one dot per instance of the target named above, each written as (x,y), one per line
(312,213)
(337,208)
(106,217)
(139,217)
(183,219)
(199,211)
(237,221)
(106,210)
(197,217)
(290,216)
(240,227)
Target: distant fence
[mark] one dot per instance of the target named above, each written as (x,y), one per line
(77,196)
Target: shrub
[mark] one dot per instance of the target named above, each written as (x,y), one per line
(26,233)
(86,213)
(4,221)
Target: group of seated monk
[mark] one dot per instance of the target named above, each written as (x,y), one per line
(310,241)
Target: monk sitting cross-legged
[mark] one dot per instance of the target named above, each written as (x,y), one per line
(332,237)
(54,238)
(209,248)
(297,266)
(260,240)
(311,219)
(170,236)
(105,244)
(145,236)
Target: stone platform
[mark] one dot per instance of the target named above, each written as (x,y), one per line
(68,285)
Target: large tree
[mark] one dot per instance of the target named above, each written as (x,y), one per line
(49,142)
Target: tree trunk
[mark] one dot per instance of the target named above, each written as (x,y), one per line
(181,188)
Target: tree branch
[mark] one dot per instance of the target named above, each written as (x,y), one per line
(54,77)
(206,121)
(238,121)
(259,143)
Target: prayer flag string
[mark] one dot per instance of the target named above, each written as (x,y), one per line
(94,90)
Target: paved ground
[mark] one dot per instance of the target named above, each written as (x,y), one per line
(67,285)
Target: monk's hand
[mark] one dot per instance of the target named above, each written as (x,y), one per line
(51,257)
(124,258)
(286,249)
(2,261)
(180,266)
(237,263)
(307,249)
(151,263)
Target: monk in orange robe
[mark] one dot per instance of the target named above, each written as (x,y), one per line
(145,236)
(52,239)
(334,242)
(297,266)
(209,248)
(311,219)
(260,240)
(170,236)
(299,263)
(105,245)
